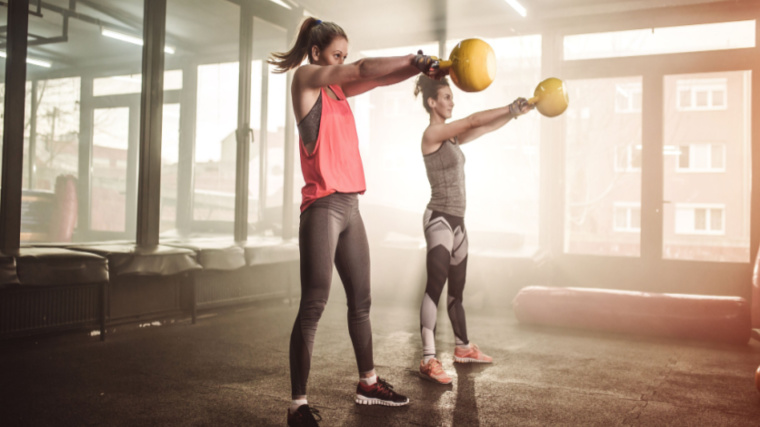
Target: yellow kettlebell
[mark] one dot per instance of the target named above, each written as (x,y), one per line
(550,97)
(471,65)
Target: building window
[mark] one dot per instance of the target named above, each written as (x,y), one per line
(702,94)
(627,217)
(700,219)
(628,158)
(702,158)
(628,97)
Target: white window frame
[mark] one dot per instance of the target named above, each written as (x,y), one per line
(710,168)
(628,158)
(629,207)
(681,207)
(696,86)
(659,40)
(629,91)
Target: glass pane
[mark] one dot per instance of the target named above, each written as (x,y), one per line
(215,143)
(700,218)
(51,155)
(73,130)
(109,169)
(636,218)
(260,76)
(718,98)
(169,162)
(56,132)
(636,157)
(707,189)
(594,132)
(716,220)
(199,144)
(717,156)
(266,190)
(272,200)
(661,40)
(621,218)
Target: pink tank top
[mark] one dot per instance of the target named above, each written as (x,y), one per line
(335,165)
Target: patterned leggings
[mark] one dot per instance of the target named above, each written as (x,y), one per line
(446,259)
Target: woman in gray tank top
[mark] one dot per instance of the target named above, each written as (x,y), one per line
(443,220)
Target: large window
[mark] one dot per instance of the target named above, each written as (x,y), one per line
(501,169)
(707,177)
(199,141)
(603,160)
(80,140)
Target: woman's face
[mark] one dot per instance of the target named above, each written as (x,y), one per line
(334,54)
(444,102)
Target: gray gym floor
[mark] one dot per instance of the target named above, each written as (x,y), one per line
(231,368)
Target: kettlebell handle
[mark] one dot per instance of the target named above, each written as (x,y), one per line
(443,64)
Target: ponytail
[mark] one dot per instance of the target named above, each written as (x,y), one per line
(313,32)
(429,89)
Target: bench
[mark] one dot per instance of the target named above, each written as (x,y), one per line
(145,282)
(56,289)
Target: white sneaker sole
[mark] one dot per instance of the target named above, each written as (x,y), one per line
(470,360)
(433,380)
(364,400)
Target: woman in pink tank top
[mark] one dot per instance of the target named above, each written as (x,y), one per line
(331,228)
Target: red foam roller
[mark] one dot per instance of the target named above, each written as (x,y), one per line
(64,217)
(705,317)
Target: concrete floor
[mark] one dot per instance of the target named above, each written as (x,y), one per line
(231,368)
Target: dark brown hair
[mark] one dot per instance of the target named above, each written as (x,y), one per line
(313,32)
(429,89)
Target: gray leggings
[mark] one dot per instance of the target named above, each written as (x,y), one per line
(331,230)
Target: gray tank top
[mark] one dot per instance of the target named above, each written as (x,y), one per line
(445,171)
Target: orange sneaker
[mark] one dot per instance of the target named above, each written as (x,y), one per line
(433,371)
(471,355)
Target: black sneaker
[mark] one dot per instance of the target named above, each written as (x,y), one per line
(380,393)
(304,416)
